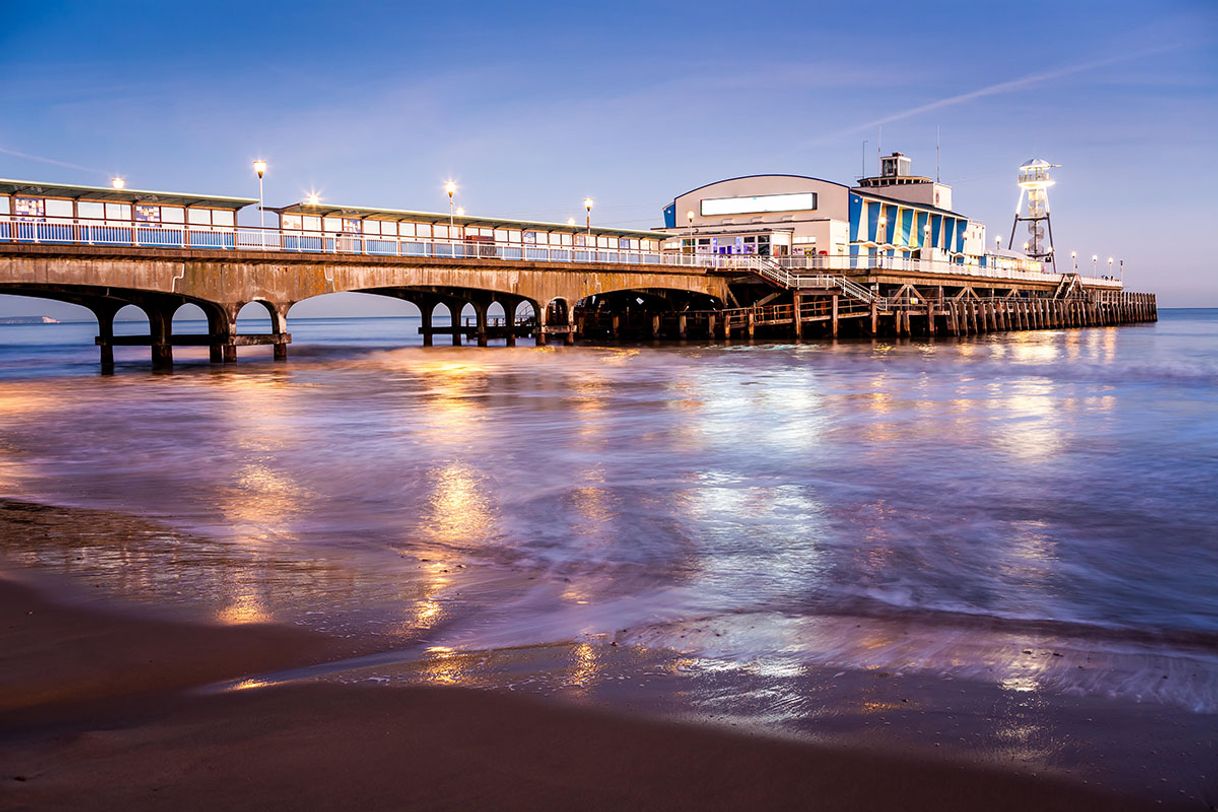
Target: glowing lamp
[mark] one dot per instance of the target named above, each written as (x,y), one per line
(259,168)
(118,182)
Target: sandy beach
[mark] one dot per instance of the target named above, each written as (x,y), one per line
(97,714)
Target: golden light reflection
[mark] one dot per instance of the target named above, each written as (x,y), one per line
(443,666)
(585,666)
(458,509)
(244,609)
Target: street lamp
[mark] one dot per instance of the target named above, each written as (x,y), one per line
(460,211)
(588,216)
(1074,259)
(1109,267)
(693,242)
(118,182)
(260,170)
(313,198)
(570,221)
(450,188)
(1094,260)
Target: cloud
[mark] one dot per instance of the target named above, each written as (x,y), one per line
(1008,86)
(25,156)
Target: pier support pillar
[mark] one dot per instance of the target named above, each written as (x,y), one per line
(105,312)
(509,320)
(160,324)
(480,309)
(543,313)
(797,325)
(752,324)
(682,324)
(426,312)
(833,322)
(875,319)
(655,326)
(455,306)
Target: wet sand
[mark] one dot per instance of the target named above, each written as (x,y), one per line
(96,715)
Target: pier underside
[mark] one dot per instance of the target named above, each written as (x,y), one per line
(595,302)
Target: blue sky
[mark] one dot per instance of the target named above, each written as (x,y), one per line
(534,106)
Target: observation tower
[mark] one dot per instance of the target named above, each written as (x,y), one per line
(1034,183)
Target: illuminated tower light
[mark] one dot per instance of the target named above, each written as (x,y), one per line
(1034,183)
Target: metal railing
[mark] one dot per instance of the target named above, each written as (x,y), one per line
(806,272)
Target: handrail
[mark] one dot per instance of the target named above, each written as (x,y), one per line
(823,271)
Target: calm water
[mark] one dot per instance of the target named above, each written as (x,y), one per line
(932,508)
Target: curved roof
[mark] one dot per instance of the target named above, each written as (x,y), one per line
(763,175)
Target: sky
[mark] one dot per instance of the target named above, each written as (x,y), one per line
(532,107)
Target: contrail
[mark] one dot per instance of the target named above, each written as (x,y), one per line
(51,161)
(992,90)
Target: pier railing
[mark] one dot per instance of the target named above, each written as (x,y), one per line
(795,272)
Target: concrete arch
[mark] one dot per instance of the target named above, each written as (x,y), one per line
(190,319)
(276,315)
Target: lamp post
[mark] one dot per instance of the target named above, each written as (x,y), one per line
(450,188)
(1122,270)
(1109,267)
(925,240)
(260,170)
(588,217)
(1074,260)
(1094,259)
(118,182)
(693,241)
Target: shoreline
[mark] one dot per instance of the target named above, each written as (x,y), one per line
(120,729)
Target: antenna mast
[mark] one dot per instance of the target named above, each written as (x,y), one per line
(937,155)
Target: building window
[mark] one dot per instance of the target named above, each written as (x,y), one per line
(29,207)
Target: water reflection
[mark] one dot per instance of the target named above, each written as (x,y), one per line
(490,499)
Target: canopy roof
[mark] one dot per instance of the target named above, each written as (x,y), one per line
(441,218)
(106,193)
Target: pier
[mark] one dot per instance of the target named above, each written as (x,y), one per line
(106,249)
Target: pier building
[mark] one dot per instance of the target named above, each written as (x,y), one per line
(780,256)
(895,214)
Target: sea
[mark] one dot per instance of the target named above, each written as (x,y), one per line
(1035,512)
